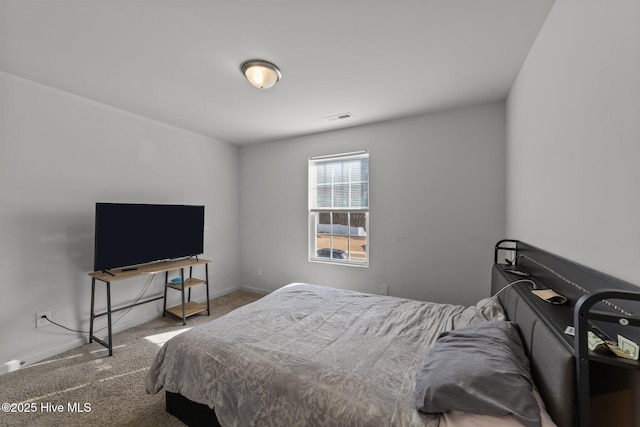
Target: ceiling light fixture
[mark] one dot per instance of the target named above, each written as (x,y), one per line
(261,74)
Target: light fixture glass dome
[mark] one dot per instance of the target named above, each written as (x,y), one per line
(261,74)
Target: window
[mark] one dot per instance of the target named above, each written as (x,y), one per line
(339,208)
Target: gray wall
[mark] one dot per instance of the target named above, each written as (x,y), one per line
(59,155)
(437,206)
(573,144)
(574,138)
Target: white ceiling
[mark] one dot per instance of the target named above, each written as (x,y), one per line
(179,61)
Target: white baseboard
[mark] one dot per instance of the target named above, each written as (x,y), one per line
(42,355)
(123,325)
(255,290)
(221,293)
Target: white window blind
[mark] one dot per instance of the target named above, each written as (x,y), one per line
(339,208)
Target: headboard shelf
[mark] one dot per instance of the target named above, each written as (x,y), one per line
(571,279)
(557,317)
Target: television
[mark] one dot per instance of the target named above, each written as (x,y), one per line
(129,234)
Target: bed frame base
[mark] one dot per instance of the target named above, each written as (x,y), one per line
(191,413)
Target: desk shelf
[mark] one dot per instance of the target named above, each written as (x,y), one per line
(187,308)
(190,308)
(190,282)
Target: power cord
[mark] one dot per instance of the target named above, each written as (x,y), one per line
(44,316)
(495,296)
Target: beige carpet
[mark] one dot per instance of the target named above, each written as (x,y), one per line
(113,387)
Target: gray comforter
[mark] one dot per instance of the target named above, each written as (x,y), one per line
(308,355)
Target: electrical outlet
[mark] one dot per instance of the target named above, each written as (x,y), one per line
(384,289)
(40,320)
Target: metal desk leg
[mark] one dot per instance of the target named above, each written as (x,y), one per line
(109,318)
(184,314)
(93,293)
(190,276)
(206,276)
(166,281)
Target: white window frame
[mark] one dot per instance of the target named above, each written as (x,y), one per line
(315,212)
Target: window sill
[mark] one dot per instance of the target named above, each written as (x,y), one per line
(340,263)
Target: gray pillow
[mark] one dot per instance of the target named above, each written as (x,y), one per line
(481,369)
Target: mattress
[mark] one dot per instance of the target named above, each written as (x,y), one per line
(311,355)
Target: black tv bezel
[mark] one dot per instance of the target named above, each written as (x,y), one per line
(131,265)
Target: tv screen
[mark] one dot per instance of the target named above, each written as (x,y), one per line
(127,234)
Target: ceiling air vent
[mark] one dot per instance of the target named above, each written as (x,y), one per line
(342,116)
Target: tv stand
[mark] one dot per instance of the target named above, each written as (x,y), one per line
(184,310)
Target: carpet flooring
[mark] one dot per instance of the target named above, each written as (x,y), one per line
(85,387)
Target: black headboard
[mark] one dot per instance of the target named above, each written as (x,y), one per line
(563,383)
(552,362)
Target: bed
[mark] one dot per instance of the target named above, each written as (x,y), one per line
(314,355)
